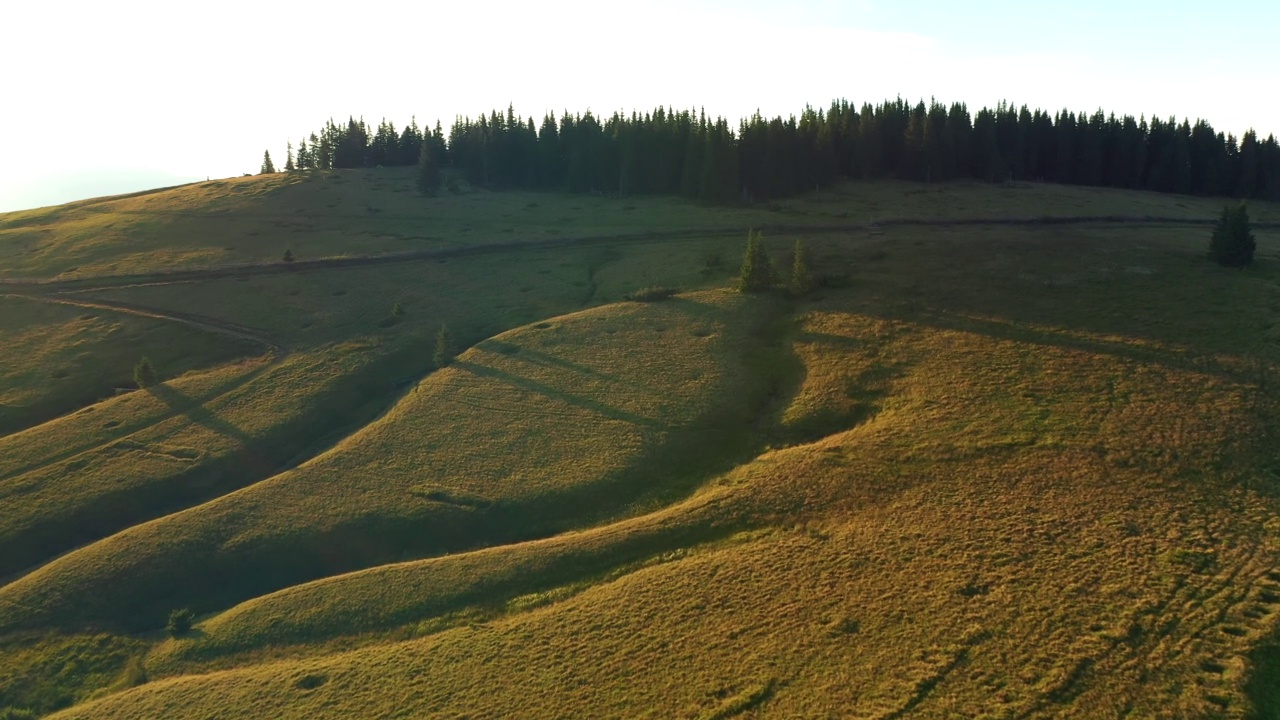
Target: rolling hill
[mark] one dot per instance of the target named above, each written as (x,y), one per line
(1013,458)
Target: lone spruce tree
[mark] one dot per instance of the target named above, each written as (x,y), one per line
(757,269)
(801,279)
(1232,244)
(144,373)
(428,180)
(445,350)
(267,166)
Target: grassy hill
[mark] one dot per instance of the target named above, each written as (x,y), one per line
(995,469)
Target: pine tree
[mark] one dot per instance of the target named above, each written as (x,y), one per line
(445,351)
(757,269)
(801,279)
(288,162)
(1232,244)
(428,168)
(267,167)
(180,622)
(288,255)
(144,373)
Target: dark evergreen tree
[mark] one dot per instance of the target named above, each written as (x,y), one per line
(267,167)
(694,152)
(445,351)
(144,373)
(1247,183)
(180,622)
(801,282)
(987,162)
(762,159)
(428,179)
(288,162)
(757,268)
(409,146)
(550,164)
(304,156)
(324,145)
(1232,244)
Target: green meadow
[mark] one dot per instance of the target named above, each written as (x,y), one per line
(1013,457)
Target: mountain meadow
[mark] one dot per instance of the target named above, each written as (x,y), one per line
(434,431)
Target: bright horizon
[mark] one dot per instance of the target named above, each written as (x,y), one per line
(106,99)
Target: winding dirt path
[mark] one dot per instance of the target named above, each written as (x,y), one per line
(42,286)
(201,322)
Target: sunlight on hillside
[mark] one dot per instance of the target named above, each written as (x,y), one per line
(991,465)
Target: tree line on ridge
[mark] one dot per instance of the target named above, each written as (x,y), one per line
(682,152)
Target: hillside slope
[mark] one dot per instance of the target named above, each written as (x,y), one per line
(1010,528)
(986,469)
(610,406)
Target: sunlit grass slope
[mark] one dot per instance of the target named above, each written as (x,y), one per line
(1052,524)
(545,428)
(44,673)
(58,358)
(78,478)
(149,453)
(1012,471)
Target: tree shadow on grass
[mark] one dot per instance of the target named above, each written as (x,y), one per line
(1263,687)
(254,460)
(1135,296)
(1174,359)
(123,430)
(534,386)
(195,411)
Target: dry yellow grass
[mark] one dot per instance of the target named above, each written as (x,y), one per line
(591,412)
(1001,539)
(1015,471)
(181,443)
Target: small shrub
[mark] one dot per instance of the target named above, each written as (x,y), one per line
(180,622)
(288,256)
(397,313)
(845,625)
(653,293)
(134,674)
(144,373)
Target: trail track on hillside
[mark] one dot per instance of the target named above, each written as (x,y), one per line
(199,322)
(42,286)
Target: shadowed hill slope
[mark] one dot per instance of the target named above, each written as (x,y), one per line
(531,432)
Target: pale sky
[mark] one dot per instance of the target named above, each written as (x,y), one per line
(132,94)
